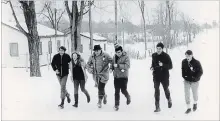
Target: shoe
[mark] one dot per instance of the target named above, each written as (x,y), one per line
(194,107)
(116,108)
(105,99)
(128,100)
(61,106)
(188,111)
(157,109)
(75,105)
(99,105)
(169,104)
(68,99)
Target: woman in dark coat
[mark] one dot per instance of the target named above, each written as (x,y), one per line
(79,76)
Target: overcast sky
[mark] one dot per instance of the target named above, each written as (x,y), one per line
(200,11)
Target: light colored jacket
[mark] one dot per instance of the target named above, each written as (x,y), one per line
(123,63)
(98,66)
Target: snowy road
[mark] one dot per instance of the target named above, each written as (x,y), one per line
(26,98)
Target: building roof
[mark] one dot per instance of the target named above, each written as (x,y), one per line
(42,30)
(95,37)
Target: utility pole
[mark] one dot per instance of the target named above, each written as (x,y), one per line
(116,23)
(90,27)
(55,15)
(123,32)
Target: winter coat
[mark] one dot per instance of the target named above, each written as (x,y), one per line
(99,66)
(123,63)
(161,73)
(61,63)
(193,75)
(81,63)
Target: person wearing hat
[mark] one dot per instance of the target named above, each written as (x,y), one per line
(98,66)
(161,64)
(191,73)
(79,76)
(60,64)
(120,68)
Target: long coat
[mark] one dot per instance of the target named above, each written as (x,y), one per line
(123,63)
(161,73)
(191,71)
(98,66)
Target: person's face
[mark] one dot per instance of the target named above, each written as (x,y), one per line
(61,51)
(159,50)
(189,57)
(119,53)
(97,52)
(74,56)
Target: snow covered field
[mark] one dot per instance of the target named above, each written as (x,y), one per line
(26,98)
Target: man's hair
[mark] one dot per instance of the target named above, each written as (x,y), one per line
(63,48)
(160,45)
(189,52)
(118,48)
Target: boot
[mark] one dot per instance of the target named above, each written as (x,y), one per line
(99,103)
(188,111)
(88,97)
(61,105)
(116,107)
(169,103)
(194,107)
(68,98)
(76,96)
(157,108)
(105,99)
(128,100)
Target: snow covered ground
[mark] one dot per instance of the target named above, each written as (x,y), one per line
(26,98)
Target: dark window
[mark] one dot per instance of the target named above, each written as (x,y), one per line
(40,48)
(14,49)
(50,47)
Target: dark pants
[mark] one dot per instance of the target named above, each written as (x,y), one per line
(165,84)
(80,83)
(101,90)
(62,81)
(120,84)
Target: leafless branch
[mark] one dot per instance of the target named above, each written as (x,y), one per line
(17,22)
(58,20)
(68,9)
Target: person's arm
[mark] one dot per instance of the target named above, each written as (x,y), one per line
(89,65)
(71,69)
(169,64)
(183,70)
(153,64)
(112,63)
(53,63)
(126,64)
(199,71)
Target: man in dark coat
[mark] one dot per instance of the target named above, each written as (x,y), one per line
(191,73)
(120,67)
(60,65)
(161,64)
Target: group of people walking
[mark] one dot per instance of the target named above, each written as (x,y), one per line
(100,64)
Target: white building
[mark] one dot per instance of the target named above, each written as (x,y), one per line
(15,45)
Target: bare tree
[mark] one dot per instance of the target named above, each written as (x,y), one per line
(52,14)
(142,5)
(75,18)
(28,8)
(90,26)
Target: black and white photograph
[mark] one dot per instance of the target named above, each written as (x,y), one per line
(110,60)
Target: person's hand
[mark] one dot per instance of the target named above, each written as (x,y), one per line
(160,63)
(122,70)
(115,65)
(191,68)
(110,70)
(152,69)
(57,71)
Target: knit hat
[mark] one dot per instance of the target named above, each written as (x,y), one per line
(97,47)
(160,45)
(189,52)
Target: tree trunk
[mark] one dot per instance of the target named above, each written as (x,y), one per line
(90,28)
(32,36)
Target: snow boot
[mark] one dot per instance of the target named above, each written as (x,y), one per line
(194,107)
(157,108)
(105,99)
(61,105)
(76,96)
(88,97)
(169,103)
(68,98)
(188,111)
(128,100)
(116,107)
(99,103)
